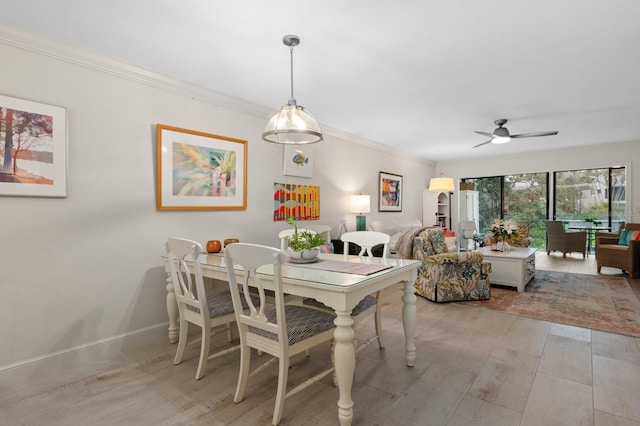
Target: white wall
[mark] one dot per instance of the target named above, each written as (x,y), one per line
(86,268)
(600,156)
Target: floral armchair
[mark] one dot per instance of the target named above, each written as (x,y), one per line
(521,238)
(449,276)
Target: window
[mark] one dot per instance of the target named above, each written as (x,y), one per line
(580,197)
(590,196)
(517,197)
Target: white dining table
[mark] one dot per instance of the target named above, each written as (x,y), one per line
(342,291)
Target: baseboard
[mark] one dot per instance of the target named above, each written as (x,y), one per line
(85,357)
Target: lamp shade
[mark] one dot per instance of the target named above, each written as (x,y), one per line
(441,184)
(292,125)
(360,204)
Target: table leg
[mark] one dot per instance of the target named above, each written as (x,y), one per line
(409,320)
(172,311)
(345,362)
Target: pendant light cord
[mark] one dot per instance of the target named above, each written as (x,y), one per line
(291,55)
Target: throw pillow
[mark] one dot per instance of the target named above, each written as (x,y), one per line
(327,248)
(624,238)
(627,235)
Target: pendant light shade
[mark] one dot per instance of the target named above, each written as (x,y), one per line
(293,124)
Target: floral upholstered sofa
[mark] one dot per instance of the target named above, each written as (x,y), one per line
(449,276)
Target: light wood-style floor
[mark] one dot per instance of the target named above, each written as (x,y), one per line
(474,367)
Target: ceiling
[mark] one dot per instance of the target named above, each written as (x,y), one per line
(419,75)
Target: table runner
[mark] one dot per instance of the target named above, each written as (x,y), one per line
(344,267)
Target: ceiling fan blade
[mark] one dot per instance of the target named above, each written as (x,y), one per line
(483,143)
(489,135)
(535,134)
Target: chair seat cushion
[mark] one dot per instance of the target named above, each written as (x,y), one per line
(302,323)
(617,247)
(220,304)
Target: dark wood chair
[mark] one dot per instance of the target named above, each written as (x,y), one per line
(558,239)
(611,254)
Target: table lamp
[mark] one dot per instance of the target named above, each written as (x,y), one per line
(360,204)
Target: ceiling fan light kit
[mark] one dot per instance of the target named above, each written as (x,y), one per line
(292,125)
(501,134)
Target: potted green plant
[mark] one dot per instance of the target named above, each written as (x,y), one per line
(303,245)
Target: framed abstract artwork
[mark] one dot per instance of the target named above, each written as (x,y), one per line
(33,149)
(390,192)
(302,202)
(298,160)
(199,171)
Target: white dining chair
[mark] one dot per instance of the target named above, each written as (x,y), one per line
(366,240)
(284,332)
(195,306)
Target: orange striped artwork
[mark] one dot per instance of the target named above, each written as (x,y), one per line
(302,202)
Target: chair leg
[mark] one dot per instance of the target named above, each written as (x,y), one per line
(204,351)
(243,375)
(182,341)
(283,376)
(378,319)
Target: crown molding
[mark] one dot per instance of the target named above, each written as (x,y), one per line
(38,44)
(48,47)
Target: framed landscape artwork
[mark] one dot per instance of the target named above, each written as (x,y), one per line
(199,171)
(33,149)
(390,192)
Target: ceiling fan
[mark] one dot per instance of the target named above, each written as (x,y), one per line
(502,135)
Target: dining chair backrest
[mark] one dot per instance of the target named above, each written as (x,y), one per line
(187,279)
(251,257)
(366,240)
(284,234)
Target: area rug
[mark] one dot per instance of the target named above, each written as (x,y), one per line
(598,302)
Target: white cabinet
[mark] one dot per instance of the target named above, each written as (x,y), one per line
(469,211)
(436,209)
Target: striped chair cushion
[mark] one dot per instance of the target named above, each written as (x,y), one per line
(302,323)
(220,304)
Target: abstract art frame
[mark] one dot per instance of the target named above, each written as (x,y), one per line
(199,171)
(298,161)
(390,192)
(33,151)
(302,202)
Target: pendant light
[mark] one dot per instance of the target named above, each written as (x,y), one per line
(293,125)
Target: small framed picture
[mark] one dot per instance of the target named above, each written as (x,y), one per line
(390,192)
(200,171)
(33,151)
(298,161)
